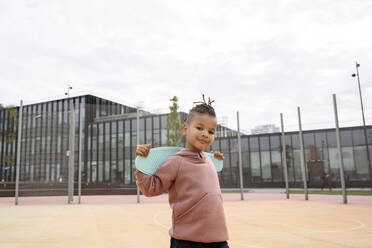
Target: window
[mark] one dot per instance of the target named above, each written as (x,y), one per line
(331,137)
(265,158)
(348,158)
(296,141)
(276,162)
(127,142)
(333,158)
(266,169)
(156,138)
(361,162)
(253,142)
(156,122)
(215,146)
(100,159)
(148,136)
(224,147)
(255,158)
(358,137)
(127,172)
(142,131)
(297,164)
(275,142)
(264,143)
(346,138)
(234,144)
(113,142)
(163,121)
(163,136)
(255,164)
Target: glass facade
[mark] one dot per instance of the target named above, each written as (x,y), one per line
(262,158)
(109,139)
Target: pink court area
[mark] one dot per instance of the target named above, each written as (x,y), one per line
(261,220)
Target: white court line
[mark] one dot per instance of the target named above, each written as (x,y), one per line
(157,222)
(155,219)
(130,247)
(360,225)
(243,244)
(261,221)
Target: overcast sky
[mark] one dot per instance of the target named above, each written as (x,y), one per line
(259,57)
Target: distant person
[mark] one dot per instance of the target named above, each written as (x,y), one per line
(198,217)
(326,180)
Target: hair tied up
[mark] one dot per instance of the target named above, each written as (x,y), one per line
(204,102)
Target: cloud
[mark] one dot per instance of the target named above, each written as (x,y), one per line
(261,58)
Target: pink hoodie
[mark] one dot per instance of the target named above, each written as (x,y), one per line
(194,196)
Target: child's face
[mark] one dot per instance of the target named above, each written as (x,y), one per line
(200,132)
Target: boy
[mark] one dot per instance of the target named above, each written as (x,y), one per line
(198,218)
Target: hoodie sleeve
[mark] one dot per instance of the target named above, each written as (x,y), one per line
(162,179)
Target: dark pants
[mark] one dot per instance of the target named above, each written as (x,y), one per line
(326,183)
(176,243)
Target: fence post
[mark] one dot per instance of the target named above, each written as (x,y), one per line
(240,158)
(138,142)
(339,154)
(302,154)
(284,156)
(19,140)
(71,155)
(80,149)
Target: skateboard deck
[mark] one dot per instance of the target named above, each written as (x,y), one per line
(157,157)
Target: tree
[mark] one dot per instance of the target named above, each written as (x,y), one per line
(1,108)
(174,129)
(10,136)
(288,151)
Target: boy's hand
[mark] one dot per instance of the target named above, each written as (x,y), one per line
(218,155)
(143,150)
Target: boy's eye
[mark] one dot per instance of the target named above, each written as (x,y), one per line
(211,132)
(199,128)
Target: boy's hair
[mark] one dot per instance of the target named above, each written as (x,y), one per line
(202,108)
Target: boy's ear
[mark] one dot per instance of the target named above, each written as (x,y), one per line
(184,128)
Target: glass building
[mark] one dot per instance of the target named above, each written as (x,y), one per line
(109,139)
(262,158)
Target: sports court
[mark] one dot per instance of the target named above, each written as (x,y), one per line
(260,221)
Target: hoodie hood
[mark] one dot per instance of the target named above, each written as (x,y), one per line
(195,156)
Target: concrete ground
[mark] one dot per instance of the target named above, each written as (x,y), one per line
(262,220)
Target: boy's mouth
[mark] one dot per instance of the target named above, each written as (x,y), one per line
(203,141)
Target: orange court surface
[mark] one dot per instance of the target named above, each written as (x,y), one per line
(260,221)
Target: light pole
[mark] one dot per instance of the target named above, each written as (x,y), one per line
(364,123)
(71,151)
(71,155)
(68,91)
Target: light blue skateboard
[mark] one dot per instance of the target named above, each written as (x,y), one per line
(159,155)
